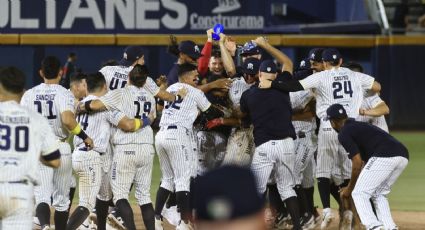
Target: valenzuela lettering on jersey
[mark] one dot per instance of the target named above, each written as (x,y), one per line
(14,120)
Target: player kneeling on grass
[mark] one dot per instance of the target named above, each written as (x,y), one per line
(385,159)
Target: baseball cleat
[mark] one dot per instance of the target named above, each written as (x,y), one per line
(327,218)
(158,223)
(283,222)
(184,226)
(45,227)
(307,222)
(379,227)
(115,221)
(347,220)
(36,224)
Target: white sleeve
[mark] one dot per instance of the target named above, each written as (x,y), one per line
(49,143)
(115,116)
(300,99)
(311,81)
(112,100)
(373,101)
(151,86)
(66,102)
(201,100)
(366,81)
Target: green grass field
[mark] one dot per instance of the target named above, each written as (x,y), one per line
(408,193)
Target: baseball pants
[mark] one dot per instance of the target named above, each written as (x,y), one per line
(304,150)
(176,152)
(132,163)
(88,166)
(278,155)
(211,150)
(240,147)
(375,181)
(105,191)
(17,204)
(55,183)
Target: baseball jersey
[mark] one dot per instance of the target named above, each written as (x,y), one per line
(117,77)
(133,102)
(183,112)
(24,134)
(298,102)
(97,126)
(370,102)
(338,85)
(50,100)
(239,86)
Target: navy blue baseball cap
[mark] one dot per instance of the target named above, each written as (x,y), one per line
(227,193)
(331,54)
(336,111)
(304,70)
(131,54)
(315,54)
(268,66)
(305,64)
(190,49)
(251,66)
(250,48)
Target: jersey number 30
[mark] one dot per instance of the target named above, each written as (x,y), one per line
(21,138)
(337,87)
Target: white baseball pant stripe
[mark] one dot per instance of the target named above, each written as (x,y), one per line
(132,164)
(55,183)
(304,151)
(88,166)
(175,149)
(240,148)
(375,181)
(105,191)
(16,206)
(278,155)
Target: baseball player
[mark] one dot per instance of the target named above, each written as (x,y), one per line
(373,108)
(273,138)
(26,139)
(385,159)
(333,85)
(133,152)
(56,104)
(175,145)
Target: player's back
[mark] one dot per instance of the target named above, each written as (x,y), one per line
(50,100)
(23,136)
(183,112)
(116,76)
(338,85)
(134,103)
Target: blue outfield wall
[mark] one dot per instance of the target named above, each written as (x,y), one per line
(400,70)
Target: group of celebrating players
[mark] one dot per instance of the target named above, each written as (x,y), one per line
(222,105)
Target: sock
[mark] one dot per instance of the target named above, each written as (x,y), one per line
(161,198)
(126,214)
(302,201)
(309,195)
(171,200)
(183,202)
(324,190)
(148,215)
(78,217)
(334,191)
(60,220)
(71,197)
(192,193)
(275,201)
(292,207)
(101,212)
(42,212)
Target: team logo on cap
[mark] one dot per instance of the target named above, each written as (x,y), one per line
(312,55)
(269,69)
(197,49)
(334,56)
(302,64)
(125,56)
(341,111)
(250,66)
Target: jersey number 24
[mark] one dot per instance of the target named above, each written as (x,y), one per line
(338,87)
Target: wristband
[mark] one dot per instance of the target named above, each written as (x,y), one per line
(76,130)
(146,121)
(87,106)
(82,135)
(137,124)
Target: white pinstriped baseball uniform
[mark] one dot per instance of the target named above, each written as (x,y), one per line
(371,102)
(24,135)
(174,142)
(88,164)
(240,145)
(117,77)
(51,100)
(345,87)
(133,151)
(304,145)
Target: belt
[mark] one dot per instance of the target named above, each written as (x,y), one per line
(15,182)
(172,127)
(85,149)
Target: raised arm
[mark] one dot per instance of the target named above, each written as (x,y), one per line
(228,63)
(284,60)
(204,60)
